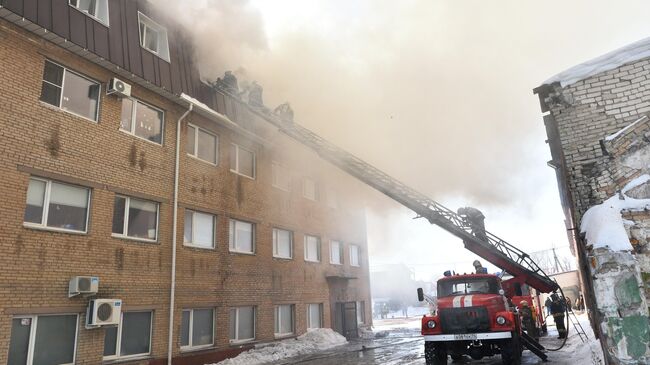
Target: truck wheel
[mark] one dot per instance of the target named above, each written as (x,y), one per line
(435,354)
(511,351)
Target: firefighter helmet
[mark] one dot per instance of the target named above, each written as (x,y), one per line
(524,303)
(477,263)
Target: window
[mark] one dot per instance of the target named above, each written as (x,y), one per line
(284,320)
(314,316)
(310,189)
(332,199)
(282,243)
(97,9)
(199,229)
(153,37)
(46,339)
(70,91)
(361,312)
(242,161)
(132,338)
(142,120)
(202,144)
(242,324)
(135,218)
(241,236)
(354,255)
(281,178)
(197,328)
(312,248)
(55,205)
(336,253)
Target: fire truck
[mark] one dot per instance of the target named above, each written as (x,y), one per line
(497,327)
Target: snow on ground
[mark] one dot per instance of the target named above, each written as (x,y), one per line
(604,224)
(311,342)
(574,351)
(391,324)
(609,61)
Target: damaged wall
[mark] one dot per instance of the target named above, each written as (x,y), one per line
(600,142)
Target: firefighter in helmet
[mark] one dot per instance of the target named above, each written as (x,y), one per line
(475,220)
(479,269)
(527,319)
(557,311)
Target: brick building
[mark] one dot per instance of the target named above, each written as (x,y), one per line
(269,239)
(598,132)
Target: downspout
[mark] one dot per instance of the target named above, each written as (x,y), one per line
(172,294)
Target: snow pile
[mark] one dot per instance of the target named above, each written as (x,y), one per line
(604,225)
(609,61)
(311,342)
(575,351)
(613,136)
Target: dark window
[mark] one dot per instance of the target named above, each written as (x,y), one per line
(467,286)
(135,218)
(197,328)
(45,339)
(56,205)
(131,338)
(70,91)
(142,120)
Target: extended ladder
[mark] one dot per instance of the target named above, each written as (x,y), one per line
(577,326)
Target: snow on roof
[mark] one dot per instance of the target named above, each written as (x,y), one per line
(613,136)
(609,61)
(603,223)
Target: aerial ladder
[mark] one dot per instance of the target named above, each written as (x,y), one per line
(493,249)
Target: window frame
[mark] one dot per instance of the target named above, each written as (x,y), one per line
(106,23)
(319,249)
(232,239)
(277,317)
(316,189)
(62,87)
(32,334)
(361,309)
(214,230)
(125,227)
(157,27)
(320,317)
(191,347)
(341,253)
(195,154)
(239,341)
(135,102)
(275,244)
(358,249)
(278,168)
(236,167)
(46,207)
(118,340)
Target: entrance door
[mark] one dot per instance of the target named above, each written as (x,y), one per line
(347,312)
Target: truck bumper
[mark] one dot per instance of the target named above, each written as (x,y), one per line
(468,337)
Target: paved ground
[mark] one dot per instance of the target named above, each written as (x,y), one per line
(404,346)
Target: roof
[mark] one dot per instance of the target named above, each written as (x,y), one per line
(609,61)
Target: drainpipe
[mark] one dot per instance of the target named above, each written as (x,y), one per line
(172,294)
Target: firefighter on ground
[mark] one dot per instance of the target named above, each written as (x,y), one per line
(528,320)
(476,221)
(558,307)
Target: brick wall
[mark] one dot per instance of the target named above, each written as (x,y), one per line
(41,140)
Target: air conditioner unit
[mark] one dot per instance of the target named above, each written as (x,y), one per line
(118,87)
(83,285)
(103,312)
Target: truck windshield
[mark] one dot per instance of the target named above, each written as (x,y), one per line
(467,286)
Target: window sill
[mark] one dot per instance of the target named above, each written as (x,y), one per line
(235,343)
(198,348)
(127,238)
(59,109)
(240,174)
(284,336)
(202,160)
(283,258)
(312,261)
(53,229)
(127,359)
(287,190)
(189,245)
(336,264)
(106,24)
(242,253)
(142,138)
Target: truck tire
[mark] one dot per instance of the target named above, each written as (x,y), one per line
(435,354)
(511,351)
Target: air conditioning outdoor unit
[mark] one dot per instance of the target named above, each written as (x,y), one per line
(119,88)
(103,312)
(83,285)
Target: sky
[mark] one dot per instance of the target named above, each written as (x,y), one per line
(437,93)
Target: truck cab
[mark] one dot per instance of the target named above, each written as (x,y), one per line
(474,317)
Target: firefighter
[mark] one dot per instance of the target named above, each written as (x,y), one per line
(476,221)
(479,269)
(528,320)
(558,307)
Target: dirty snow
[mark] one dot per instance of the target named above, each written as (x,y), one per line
(604,224)
(613,136)
(609,61)
(311,342)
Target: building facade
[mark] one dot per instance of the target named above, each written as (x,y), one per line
(597,125)
(269,240)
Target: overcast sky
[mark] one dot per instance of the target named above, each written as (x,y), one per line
(436,93)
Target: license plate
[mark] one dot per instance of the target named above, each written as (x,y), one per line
(465,336)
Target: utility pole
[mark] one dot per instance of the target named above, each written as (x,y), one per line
(558,265)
